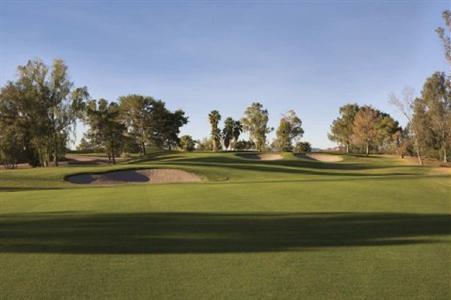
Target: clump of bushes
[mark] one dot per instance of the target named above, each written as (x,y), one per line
(302,147)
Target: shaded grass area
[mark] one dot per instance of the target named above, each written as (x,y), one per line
(131,233)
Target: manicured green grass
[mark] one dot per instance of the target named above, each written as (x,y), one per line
(364,228)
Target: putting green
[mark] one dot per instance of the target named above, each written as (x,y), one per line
(363,228)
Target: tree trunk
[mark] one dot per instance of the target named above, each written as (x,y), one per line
(417,146)
(56,150)
(143,145)
(347,148)
(444,143)
(113,156)
(367,146)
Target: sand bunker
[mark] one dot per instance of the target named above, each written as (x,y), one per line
(324,157)
(135,176)
(262,156)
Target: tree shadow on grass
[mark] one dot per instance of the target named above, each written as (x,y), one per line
(25,189)
(369,177)
(135,233)
(291,163)
(117,176)
(287,168)
(157,156)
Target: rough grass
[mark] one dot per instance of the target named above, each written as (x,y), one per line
(364,228)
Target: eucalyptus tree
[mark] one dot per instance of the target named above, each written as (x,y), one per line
(341,130)
(255,122)
(374,129)
(136,114)
(106,127)
(290,128)
(46,106)
(150,123)
(169,129)
(13,133)
(66,105)
(406,105)
(444,34)
(422,125)
(282,141)
(436,96)
(364,127)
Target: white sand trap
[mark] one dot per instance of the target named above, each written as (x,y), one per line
(324,157)
(135,176)
(270,156)
(262,156)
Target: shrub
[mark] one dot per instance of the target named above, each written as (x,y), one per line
(187,143)
(302,147)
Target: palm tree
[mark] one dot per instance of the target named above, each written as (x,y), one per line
(214,118)
(237,129)
(227,132)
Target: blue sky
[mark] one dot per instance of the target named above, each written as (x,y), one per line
(310,56)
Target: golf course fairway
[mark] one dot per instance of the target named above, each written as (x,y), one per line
(361,228)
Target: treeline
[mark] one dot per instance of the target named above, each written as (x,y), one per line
(133,124)
(428,129)
(39,111)
(364,129)
(255,124)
